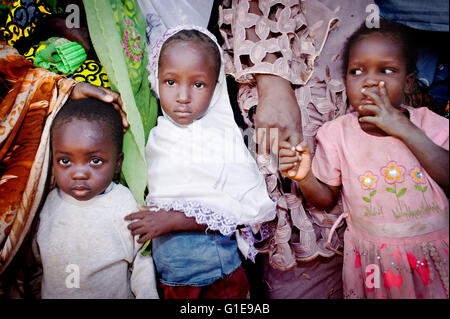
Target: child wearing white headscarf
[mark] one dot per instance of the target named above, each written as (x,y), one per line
(198,165)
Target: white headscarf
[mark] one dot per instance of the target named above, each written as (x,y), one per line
(204,169)
(161,15)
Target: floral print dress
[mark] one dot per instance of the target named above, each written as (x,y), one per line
(396,243)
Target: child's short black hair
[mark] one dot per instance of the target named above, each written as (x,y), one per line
(92,110)
(196,37)
(397,32)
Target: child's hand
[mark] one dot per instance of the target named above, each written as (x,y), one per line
(294,162)
(150,224)
(386,117)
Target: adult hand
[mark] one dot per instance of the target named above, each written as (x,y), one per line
(83,90)
(277,108)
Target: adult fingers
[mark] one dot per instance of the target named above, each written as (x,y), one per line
(295,139)
(118,105)
(85,90)
(284,145)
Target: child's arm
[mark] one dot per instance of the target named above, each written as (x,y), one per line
(432,157)
(296,164)
(152,224)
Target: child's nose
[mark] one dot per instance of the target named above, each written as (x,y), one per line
(183,94)
(371,81)
(80,173)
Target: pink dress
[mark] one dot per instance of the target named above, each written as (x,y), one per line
(396,242)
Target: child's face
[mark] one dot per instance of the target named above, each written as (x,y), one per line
(84,159)
(187,80)
(372,59)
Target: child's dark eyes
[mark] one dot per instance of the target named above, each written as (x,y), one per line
(199,85)
(387,70)
(170,82)
(64,161)
(96,161)
(355,71)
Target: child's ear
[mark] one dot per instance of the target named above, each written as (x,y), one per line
(119,163)
(409,83)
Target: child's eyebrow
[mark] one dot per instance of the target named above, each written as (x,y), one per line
(69,153)
(93,152)
(56,151)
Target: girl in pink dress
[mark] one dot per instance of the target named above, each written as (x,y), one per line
(389,164)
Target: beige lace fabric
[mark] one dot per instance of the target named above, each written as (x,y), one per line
(296,32)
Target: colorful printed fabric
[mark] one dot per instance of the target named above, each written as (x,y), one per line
(26,114)
(23,19)
(396,243)
(117,30)
(60,56)
(90,71)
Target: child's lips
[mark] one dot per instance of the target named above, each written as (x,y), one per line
(80,189)
(81,193)
(182,113)
(367,102)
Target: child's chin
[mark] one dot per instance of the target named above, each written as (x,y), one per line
(184,121)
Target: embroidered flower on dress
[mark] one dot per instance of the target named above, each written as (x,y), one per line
(132,42)
(368,180)
(417,176)
(393,172)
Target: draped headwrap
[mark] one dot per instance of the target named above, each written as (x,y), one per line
(205,169)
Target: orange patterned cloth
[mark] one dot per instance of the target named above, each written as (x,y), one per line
(26,113)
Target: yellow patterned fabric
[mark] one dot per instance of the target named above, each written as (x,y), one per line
(22,20)
(90,71)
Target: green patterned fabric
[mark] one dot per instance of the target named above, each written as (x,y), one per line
(117,30)
(61,56)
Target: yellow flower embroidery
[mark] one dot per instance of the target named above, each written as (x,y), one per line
(417,176)
(368,180)
(393,173)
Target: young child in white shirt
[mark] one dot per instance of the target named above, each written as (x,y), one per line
(84,244)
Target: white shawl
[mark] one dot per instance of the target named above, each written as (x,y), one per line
(204,169)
